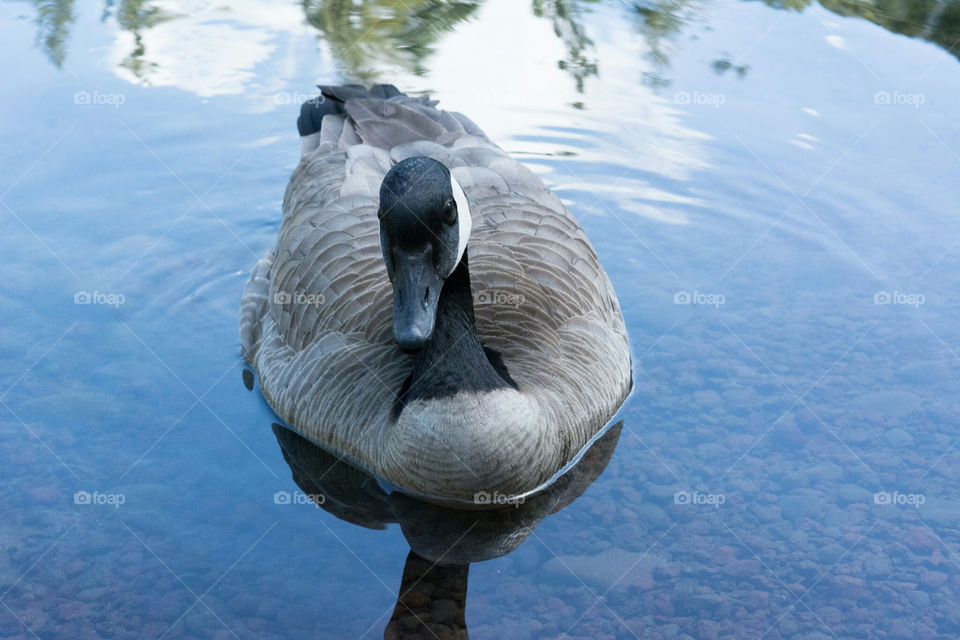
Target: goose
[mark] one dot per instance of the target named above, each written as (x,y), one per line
(431,311)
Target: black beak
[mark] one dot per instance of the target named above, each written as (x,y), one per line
(416,289)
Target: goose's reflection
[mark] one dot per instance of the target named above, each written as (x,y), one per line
(443,542)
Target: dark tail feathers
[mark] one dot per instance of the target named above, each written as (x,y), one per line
(331,101)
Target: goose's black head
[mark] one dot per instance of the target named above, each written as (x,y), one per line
(424,227)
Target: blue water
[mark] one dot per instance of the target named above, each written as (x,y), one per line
(789,463)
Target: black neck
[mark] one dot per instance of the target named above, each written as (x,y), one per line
(446,583)
(455,359)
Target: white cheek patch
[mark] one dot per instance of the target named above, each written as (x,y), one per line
(464,221)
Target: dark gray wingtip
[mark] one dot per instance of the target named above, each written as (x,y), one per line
(345,92)
(312,112)
(332,99)
(385,91)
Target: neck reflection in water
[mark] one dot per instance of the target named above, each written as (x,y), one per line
(431,601)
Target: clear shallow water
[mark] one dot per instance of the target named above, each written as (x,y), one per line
(784,168)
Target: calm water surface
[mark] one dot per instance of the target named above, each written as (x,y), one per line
(772,187)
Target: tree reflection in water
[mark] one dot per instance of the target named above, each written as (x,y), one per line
(368,36)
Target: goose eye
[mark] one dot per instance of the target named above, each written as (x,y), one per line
(449,212)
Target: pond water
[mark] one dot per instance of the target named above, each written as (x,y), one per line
(771,186)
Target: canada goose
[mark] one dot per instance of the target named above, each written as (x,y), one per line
(431,310)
